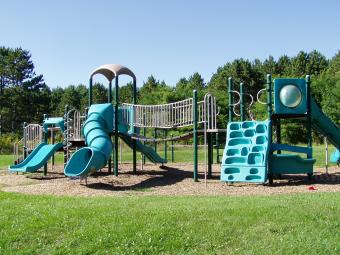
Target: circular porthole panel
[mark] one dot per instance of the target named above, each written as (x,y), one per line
(290,96)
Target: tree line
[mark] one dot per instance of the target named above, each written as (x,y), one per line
(25,97)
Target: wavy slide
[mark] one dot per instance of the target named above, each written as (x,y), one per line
(90,159)
(37,158)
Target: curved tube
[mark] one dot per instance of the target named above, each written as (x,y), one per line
(96,128)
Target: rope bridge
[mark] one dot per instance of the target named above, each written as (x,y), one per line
(172,115)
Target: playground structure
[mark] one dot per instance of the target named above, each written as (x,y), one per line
(87,139)
(90,139)
(251,155)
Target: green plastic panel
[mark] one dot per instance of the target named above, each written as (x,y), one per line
(279,106)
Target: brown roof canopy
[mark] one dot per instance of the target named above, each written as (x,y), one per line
(110,71)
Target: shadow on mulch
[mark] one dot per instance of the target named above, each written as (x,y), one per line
(296,180)
(169,176)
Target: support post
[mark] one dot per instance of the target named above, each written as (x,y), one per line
(242,112)
(109,100)
(66,136)
(24,140)
(109,94)
(309,116)
(231,98)
(45,140)
(270,111)
(143,156)
(52,142)
(326,155)
(269,96)
(90,92)
(165,145)
(134,144)
(172,149)
(217,149)
(195,136)
(115,167)
(155,137)
(210,154)
(278,133)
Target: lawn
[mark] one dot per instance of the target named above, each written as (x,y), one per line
(180,155)
(283,224)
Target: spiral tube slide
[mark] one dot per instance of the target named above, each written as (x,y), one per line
(96,128)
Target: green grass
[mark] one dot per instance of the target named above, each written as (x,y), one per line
(181,155)
(283,224)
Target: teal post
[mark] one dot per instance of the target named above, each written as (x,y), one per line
(195,117)
(270,112)
(109,100)
(144,133)
(309,116)
(134,144)
(165,145)
(278,133)
(90,92)
(172,149)
(45,140)
(231,99)
(217,149)
(242,113)
(210,154)
(115,169)
(155,137)
(65,139)
(109,94)
(24,140)
(269,96)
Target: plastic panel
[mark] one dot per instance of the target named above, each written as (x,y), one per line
(245,156)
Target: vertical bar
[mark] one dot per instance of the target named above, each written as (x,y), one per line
(109,94)
(143,156)
(242,113)
(45,140)
(115,167)
(195,137)
(155,137)
(326,155)
(217,149)
(278,133)
(90,92)
(134,144)
(25,140)
(270,112)
(210,155)
(309,116)
(172,149)
(269,96)
(165,145)
(52,142)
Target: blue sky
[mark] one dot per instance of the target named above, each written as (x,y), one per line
(169,39)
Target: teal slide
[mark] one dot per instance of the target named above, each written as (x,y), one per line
(96,128)
(146,150)
(325,125)
(38,157)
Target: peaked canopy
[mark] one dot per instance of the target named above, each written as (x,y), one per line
(110,71)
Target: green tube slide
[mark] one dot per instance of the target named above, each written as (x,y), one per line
(96,129)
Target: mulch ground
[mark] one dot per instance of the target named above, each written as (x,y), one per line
(174,179)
